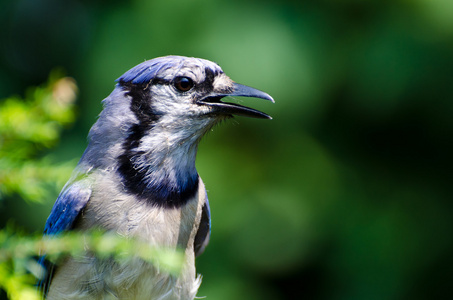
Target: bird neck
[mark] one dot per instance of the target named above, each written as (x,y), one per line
(158,165)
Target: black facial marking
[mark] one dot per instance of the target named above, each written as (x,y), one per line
(204,87)
(141,102)
(136,181)
(207,85)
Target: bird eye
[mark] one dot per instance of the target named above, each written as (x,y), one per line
(183,84)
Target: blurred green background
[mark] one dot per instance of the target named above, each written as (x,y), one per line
(345,194)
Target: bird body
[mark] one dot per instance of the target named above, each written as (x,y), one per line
(84,277)
(137,178)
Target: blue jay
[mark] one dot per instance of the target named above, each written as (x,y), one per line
(137,178)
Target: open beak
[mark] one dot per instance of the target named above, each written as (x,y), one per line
(218,107)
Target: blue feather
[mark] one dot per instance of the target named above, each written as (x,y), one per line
(69,204)
(204,230)
(148,70)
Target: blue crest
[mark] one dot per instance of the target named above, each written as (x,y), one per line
(147,71)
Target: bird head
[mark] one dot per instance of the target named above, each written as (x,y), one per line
(182,87)
(153,120)
(167,103)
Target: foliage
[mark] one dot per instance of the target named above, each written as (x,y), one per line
(28,126)
(17,263)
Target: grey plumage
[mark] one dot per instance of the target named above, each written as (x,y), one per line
(137,178)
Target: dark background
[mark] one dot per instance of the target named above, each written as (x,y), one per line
(345,194)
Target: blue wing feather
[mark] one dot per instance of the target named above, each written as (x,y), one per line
(69,204)
(204,230)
